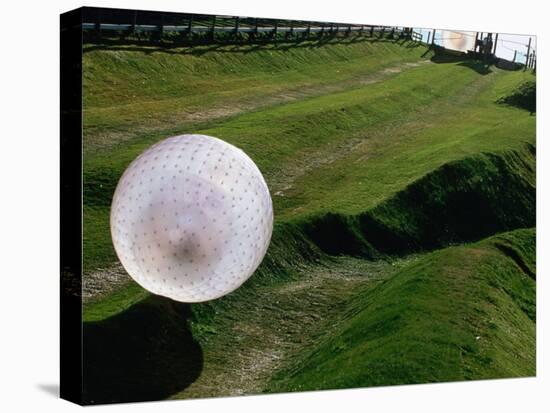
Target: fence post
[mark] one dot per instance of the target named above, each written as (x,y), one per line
(256,26)
(308,28)
(161,27)
(371,31)
(213,26)
(98,24)
(236,25)
(134,23)
(528,51)
(275,29)
(392,32)
(433,37)
(514,59)
(495,45)
(190,26)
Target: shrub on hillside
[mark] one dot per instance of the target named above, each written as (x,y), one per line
(525,97)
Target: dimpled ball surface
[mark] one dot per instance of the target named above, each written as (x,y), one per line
(191,218)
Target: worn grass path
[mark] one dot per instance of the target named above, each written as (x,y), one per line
(366,143)
(190,87)
(247,344)
(297,334)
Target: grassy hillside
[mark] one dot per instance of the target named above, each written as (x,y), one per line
(462,200)
(128,96)
(448,315)
(304,301)
(376,154)
(337,146)
(310,71)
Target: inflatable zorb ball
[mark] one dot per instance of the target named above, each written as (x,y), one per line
(191,218)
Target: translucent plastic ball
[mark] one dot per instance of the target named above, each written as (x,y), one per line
(191,218)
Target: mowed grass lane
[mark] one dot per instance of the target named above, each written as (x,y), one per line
(131,94)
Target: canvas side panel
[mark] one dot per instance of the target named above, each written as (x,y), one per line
(71,206)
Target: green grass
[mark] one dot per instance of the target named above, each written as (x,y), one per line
(112,80)
(525,96)
(370,150)
(303,298)
(127,95)
(289,249)
(337,146)
(117,302)
(460,313)
(453,127)
(462,200)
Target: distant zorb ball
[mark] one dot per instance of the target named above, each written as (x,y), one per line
(191,218)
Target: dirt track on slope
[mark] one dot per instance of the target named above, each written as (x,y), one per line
(283,321)
(192,119)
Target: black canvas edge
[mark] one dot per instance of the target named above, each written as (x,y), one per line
(71,206)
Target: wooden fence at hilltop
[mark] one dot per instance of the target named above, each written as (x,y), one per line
(103,24)
(99,22)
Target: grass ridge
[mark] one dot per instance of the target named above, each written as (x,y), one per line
(446,316)
(461,201)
